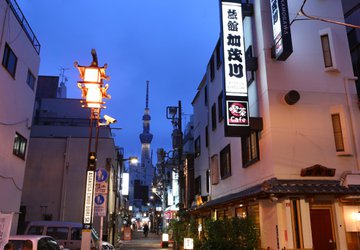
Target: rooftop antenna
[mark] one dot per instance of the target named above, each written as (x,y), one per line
(147,94)
(63,78)
(61,91)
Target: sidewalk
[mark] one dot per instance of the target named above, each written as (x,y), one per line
(139,241)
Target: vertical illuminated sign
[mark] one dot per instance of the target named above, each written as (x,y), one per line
(281,30)
(234,68)
(89,199)
(125,184)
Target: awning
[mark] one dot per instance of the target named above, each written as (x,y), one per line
(281,188)
(172,208)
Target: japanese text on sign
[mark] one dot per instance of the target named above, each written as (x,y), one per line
(89,192)
(234,52)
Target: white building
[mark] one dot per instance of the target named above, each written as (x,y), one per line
(297,174)
(20,65)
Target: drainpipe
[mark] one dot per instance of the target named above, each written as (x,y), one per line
(350,104)
(63,181)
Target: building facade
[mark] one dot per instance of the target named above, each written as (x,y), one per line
(55,173)
(296,170)
(20,65)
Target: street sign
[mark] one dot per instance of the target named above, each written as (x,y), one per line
(101,175)
(101,188)
(100,205)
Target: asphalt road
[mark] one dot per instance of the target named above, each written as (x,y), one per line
(140,242)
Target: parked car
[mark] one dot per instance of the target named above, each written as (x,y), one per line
(39,242)
(67,234)
(107,246)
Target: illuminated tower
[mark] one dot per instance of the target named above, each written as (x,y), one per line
(146,138)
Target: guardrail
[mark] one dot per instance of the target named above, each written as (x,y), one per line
(24,24)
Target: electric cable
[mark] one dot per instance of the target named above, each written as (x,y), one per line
(12,179)
(15,123)
(324,19)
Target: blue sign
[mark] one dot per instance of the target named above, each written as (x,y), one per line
(101,175)
(99,199)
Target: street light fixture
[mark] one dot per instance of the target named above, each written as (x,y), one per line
(174,113)
(93,91)
(132,159)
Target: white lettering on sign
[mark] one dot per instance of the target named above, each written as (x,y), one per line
(234,52)
(89,197)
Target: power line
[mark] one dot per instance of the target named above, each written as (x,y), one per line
(302,12)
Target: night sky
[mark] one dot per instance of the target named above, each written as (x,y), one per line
(167,42)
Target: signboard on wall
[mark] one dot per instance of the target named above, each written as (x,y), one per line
(125,184)
(238,113)
(234,51)
(235,80)
(281,30)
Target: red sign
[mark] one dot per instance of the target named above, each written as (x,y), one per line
(238,114)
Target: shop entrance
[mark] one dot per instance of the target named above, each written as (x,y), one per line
(322,229)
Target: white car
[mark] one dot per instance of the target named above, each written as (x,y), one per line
(39,242)
(107,246)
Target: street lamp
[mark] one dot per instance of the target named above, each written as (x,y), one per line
(174,114)
(93,91)
(132,159)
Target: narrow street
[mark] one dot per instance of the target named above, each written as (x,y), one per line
(139,242)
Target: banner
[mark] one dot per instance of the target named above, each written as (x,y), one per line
(5,227)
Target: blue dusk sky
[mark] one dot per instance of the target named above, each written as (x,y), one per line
(167,42)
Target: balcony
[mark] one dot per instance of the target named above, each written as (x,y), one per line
(24,24)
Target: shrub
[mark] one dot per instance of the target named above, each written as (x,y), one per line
(234,233)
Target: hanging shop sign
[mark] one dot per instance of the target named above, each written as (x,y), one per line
(281,30)
(234,52)
(238,114)
(234,68)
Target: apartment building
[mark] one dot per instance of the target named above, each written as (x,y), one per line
(20,50)
(294,165)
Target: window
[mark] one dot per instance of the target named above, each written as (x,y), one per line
(207,136)
(35,230)
(250,149)
(338,136)
(250,75)
(220,107)
(214,165)
(19,148)
(30,80)
(76,233)
(225,162)
(198,185)
(325,43)
(218,55)
(213,117)
(212,68)
(9,60)
(46,243)
(197,147)
(205,95)
(59,233)
(208,181)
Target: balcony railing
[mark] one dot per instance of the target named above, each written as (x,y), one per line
(24,24)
